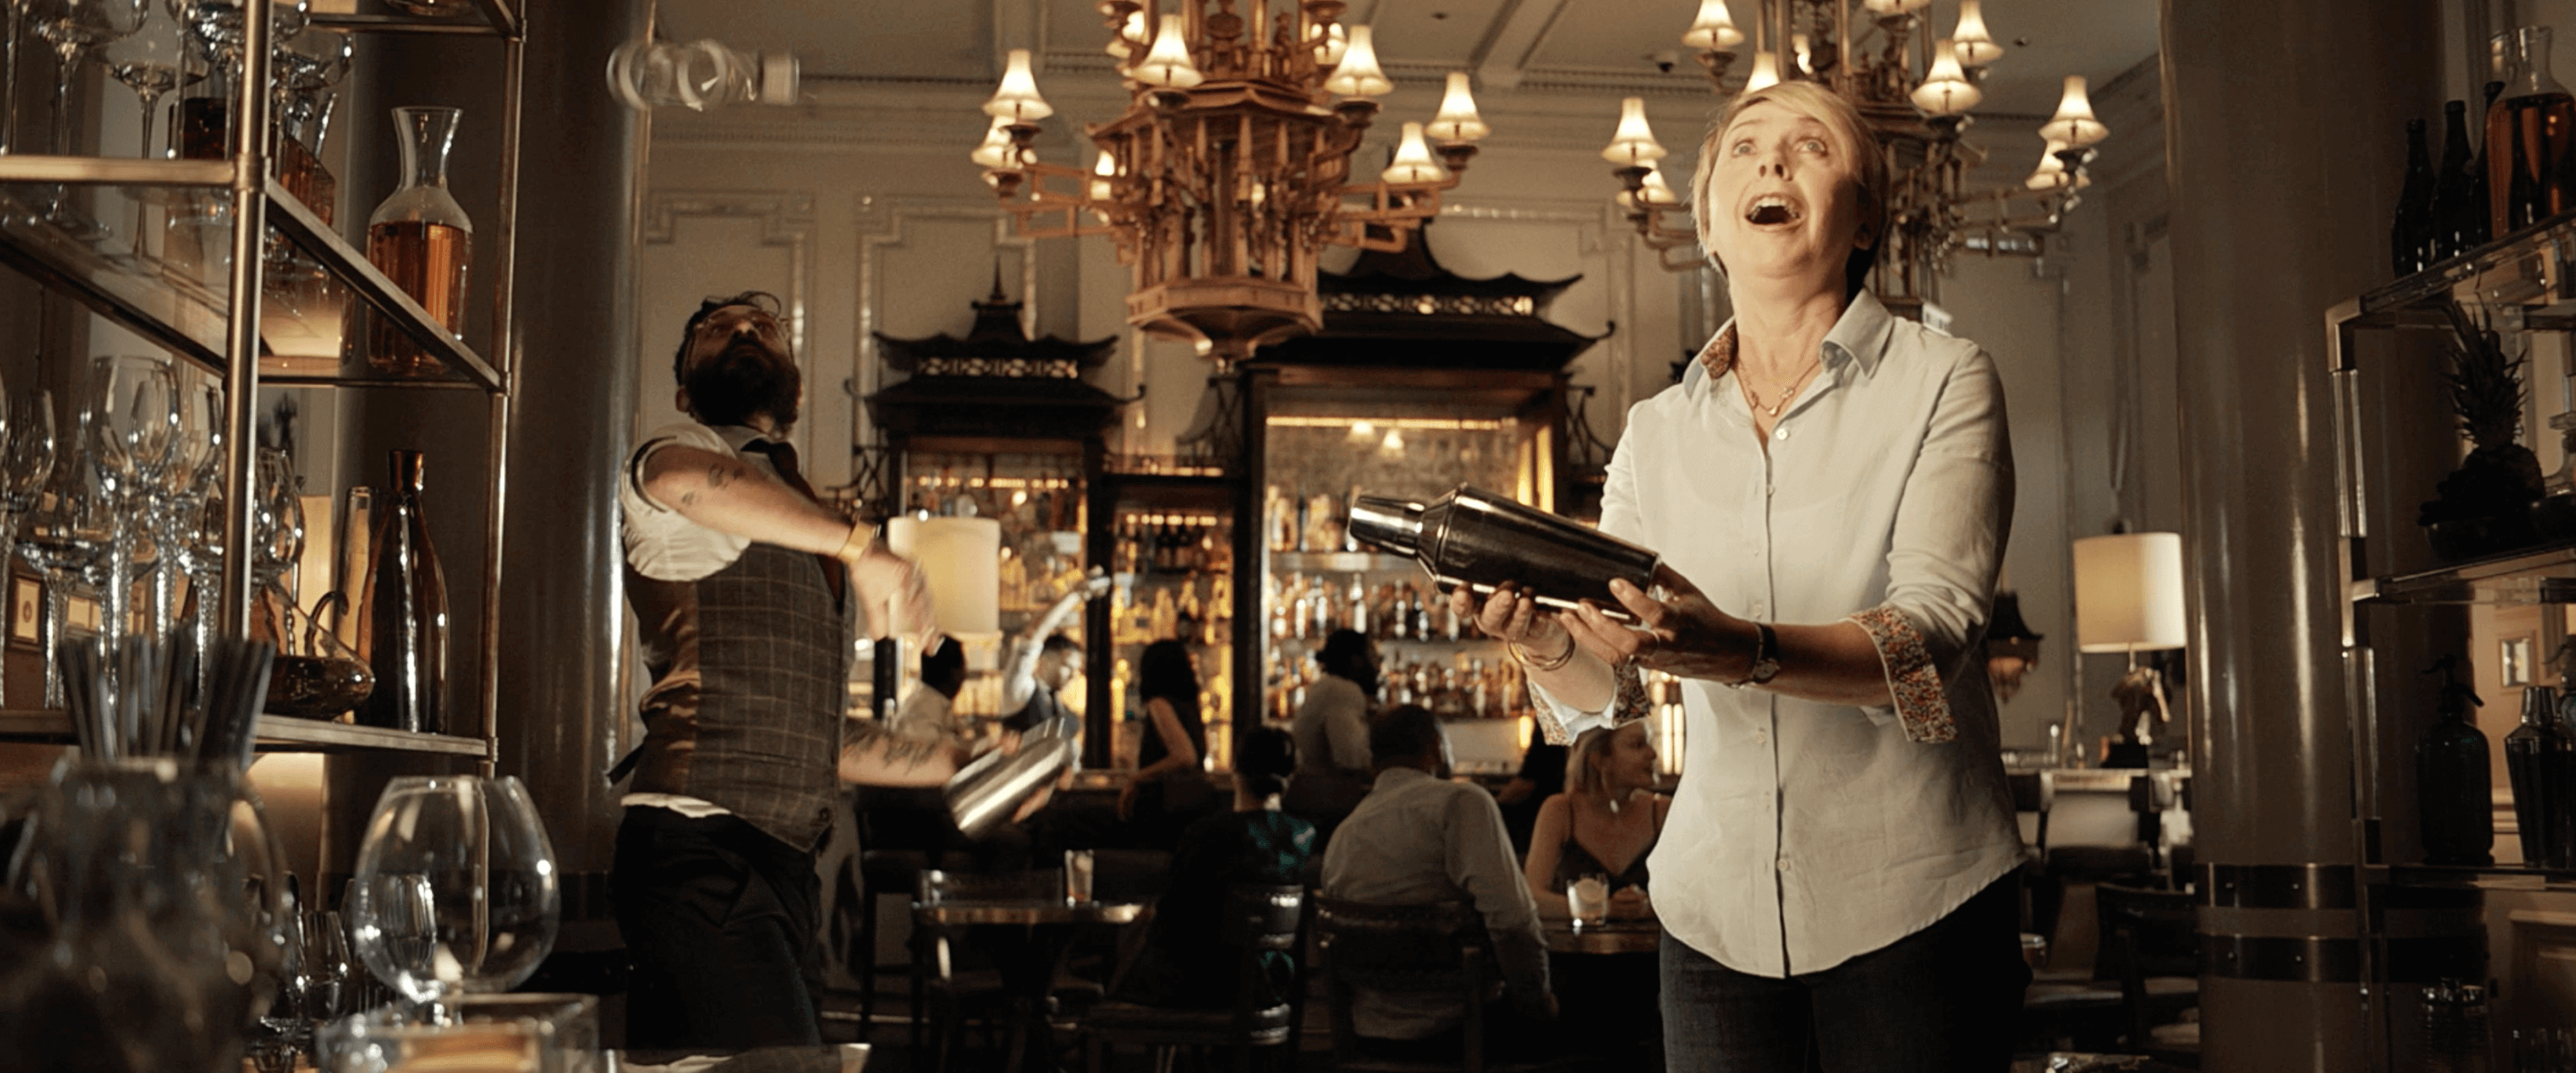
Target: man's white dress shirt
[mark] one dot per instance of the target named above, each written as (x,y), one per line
(1804,834)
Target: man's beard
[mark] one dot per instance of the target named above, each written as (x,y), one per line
(742,381)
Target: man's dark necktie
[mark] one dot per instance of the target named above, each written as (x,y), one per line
(782,457)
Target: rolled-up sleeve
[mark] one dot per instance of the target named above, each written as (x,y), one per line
(1559,722)
(1946,547)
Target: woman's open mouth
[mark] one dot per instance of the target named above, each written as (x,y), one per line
(1771,210)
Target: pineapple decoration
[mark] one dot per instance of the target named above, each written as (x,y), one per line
(2485,505)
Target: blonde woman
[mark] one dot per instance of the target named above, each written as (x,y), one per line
(1830,487)
(1604,824)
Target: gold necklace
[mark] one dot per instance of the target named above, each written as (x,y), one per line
(1786,394)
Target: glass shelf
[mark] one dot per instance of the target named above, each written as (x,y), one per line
(500,19)
(185,311)
(276,734)
(2485,877)
(2532,267)
(1341,562)
(2541,574)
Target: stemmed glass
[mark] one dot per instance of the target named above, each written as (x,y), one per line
(454,891)
(66,536)
(151,61)
(131,418)
(178,519)
(26,460)
(72,26)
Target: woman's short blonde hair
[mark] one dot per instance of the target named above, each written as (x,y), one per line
(1859,145)
(1580,776)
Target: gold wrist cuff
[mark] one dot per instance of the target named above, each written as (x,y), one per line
(862,535)
(1543,667)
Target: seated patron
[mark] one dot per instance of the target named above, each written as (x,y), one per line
(1331,728)
(1184,963)
(1604,824)
(1419,838)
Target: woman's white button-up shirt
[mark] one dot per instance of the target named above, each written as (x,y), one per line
(1803,833)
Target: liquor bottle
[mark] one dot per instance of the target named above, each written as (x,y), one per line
(405,611)
(2451,779)
(2459,210)
(422,240)
(1478,539)
(2532,759)
(1359,606)
(2527,131)
(2410,239)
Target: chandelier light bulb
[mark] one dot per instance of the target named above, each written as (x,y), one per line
(1168,64)
(995,152)
(1103,169)
(1331,40)
(1766,72)
(1457,121)
(2074,123)
(1945,91)
(1656,192)
(1977,48)
(1634,144)
(1895,7)
(2051,173)
(1358,74)
(1714,30)
(1017,100)
(1413,165)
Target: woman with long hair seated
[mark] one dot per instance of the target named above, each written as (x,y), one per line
(1183,963)
(1604,824)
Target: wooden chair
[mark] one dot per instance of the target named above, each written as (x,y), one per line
(2151,945)
(1433,948)
(1259,919)
(955,992)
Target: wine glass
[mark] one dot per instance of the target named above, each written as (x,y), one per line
(152,61)
(66,534)
(177,519)
(454,891)
(73,26)
(130,418)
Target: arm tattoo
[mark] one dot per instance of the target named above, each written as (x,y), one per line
(908,750)
(689,499)
(720,474)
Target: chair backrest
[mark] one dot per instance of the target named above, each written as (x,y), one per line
(2030,795)
(1435,948)
(2144,933)
(943,886)
(1262,916)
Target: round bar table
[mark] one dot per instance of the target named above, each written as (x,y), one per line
(1048,927)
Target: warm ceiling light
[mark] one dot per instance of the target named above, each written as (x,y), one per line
(1798,48)
(1895,7)
(1945,91)
(996,152)
(1331,40)
(1413,164)
(1105,167)
(1977,48)
(1656,191)
(1714,30)
(2051,173)
(1634,144)
(2074,123)
(1017,100)
(1131,37)
(1358,74)
(1457,121)
(1361,432)
(1766,72)
(1168,65)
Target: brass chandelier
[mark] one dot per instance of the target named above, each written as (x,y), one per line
(1915,91)
(1230,169)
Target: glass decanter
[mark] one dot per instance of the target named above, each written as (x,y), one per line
(422,240)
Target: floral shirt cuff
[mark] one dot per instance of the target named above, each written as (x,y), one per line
(1628,704)
(1922,704)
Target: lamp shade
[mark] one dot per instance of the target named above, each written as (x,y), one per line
(1766,72)
(2051,174)
(961,559)
(1656,191)
(1976,47)
(1104,171)
(1413,164)
(1457,121)
(1330,40)
(1946,90)
(2074,123)
(996,152)
(1017,100)
(1358,75)
(1633,144)
(1168,63)
(1714,30)
(2128,592)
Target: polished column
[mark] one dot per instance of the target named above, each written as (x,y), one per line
(2284,124)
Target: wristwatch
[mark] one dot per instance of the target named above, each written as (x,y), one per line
(1766,656)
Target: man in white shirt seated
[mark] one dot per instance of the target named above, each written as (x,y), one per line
(1416,839)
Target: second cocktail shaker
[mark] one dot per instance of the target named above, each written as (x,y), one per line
(983,795)
(1475,538)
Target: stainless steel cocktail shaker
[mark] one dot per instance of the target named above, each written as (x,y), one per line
(1475,538)
(983,795)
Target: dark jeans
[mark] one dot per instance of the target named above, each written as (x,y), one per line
(1947,998)
(719,918)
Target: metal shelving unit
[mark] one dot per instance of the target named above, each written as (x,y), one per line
(220,328)
(2522,283)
